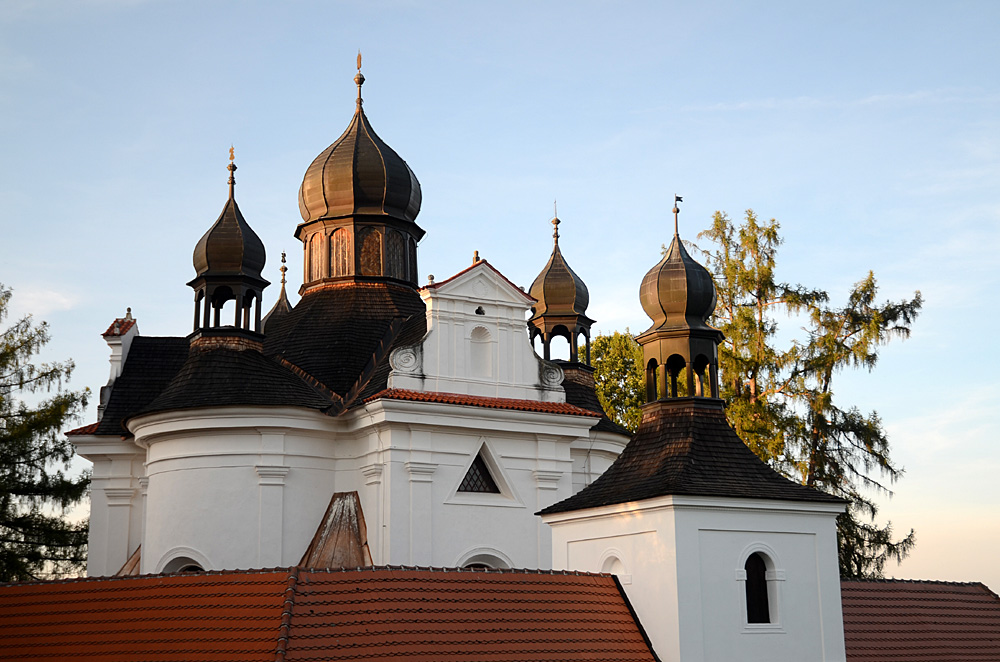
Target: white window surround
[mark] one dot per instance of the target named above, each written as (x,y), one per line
(612,563)
(774,576)
(178,557)
(488,556)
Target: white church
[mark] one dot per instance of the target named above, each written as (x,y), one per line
(416,432)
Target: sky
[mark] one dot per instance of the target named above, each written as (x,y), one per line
(869,130)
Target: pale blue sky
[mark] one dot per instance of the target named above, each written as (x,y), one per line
(869,130)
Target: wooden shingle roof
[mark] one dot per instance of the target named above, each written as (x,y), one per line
(686,447)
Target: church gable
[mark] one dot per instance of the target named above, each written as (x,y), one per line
(477,342)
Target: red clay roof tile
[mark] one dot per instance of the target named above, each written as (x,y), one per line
(372,614)
(482,401)
(124,325)
(90,428)
(903,620)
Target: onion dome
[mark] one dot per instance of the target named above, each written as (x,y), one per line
(557,288)
(562,300)
(228,261)
(230,247)
(359,174)
(680,351)
(678,292)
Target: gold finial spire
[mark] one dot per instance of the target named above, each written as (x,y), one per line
(232,172)
(676,211)
(555,229)
(283,269)
(359,79)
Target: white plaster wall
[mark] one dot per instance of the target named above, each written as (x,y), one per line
(243,487)
(116,501)
(680,558)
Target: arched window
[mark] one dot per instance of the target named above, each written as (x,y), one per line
(396,255)
(341,255)
(413,260)
(315,257)
(758,604)
(182,564)
(370,242)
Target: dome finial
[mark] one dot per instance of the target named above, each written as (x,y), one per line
(677,211)
(232,172)
(283,269)
(555,229)
(359,79)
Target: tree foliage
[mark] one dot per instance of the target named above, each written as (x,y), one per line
(35,492)
(618,377)
(780,399)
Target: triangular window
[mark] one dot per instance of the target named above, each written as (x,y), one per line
(479,479)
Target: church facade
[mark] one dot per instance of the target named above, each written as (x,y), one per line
(466,448)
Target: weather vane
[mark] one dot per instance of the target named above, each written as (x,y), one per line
(677,211)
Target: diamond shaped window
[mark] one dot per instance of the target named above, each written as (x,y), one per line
(479,479)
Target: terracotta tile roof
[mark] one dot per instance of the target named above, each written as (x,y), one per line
(686,446)
(432,286)
(90,428)
(385,614)
(297,615)
(124,325)
(482,401)
(155,618)
(903,620)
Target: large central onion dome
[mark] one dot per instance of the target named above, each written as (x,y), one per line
(359,174)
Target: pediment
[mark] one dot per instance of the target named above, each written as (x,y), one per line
(483,282)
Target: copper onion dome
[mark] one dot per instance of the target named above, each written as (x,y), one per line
(230,247)
(678,292)
(359,174)
(557,288)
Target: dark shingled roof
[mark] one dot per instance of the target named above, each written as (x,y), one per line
(903,620)
(219,377)
(579,387)
(335,332)
(151,363)
(685,446)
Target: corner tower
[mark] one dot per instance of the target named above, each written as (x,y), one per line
(562,300)
(359,202)
(680,350)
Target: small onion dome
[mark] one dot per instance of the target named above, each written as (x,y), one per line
(282,306)
(678,292)
(359,174)
(557,288)
(230,247)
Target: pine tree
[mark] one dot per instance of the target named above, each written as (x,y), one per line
(35,492)
(780,400)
